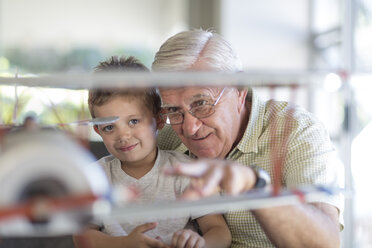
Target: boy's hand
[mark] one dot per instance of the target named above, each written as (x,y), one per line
(187,238)
(138,238)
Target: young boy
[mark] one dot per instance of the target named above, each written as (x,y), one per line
(136,161)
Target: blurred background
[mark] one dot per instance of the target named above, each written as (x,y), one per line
(334,37)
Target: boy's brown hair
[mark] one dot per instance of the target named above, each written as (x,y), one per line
(149,96)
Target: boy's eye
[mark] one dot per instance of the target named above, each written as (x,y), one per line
(133,122)
(108,128)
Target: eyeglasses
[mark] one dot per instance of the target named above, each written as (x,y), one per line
(201,111)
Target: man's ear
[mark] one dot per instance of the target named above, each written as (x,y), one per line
(95,127)
(242,94)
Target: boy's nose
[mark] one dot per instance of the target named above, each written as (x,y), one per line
(124,135)
(190,125)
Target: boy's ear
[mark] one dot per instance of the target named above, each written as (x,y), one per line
(95,127)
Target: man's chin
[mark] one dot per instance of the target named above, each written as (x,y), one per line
(203,153)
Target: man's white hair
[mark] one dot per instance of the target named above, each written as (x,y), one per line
(181,51)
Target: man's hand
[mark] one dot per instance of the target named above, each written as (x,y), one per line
(187,238)
(209,176)
(138,238)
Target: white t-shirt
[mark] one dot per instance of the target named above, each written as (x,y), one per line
(154,187)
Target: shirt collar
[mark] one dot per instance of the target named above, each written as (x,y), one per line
(249,141)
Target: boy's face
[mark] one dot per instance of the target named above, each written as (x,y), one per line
(132,138)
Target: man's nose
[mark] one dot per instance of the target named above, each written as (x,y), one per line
(190,125)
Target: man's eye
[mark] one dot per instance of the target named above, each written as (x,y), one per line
(172,109)
(133,122)
(108,128)
(199,103)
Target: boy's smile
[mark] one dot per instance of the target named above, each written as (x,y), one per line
(127,148)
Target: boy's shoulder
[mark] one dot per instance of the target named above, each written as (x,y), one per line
(107,160)
(110,165)
(174,157)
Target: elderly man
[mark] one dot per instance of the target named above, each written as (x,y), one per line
(234,124)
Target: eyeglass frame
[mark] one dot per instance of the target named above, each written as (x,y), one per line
(190,111)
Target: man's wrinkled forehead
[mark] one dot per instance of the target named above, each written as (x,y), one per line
(195,93)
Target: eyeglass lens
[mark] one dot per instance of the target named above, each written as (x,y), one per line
(199,112)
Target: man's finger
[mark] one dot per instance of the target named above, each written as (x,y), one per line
(191,194)
(211,181)
(196,169)
(231,181)
(237,179)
